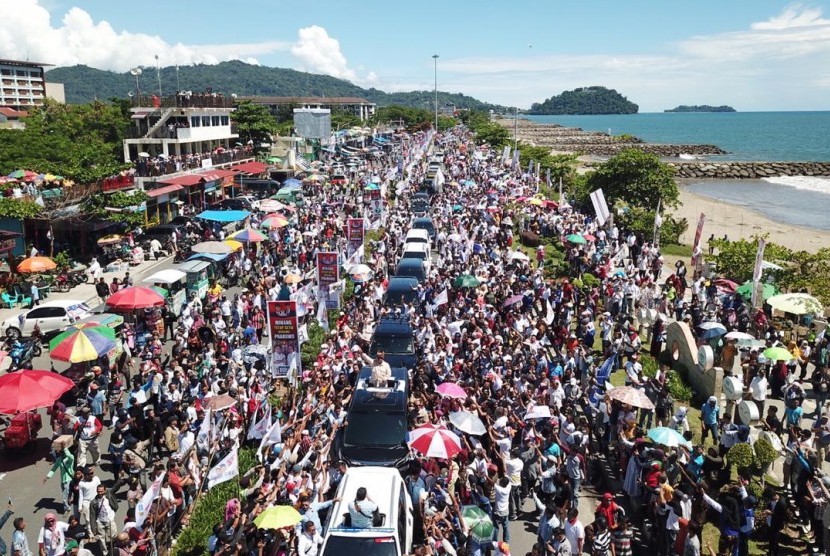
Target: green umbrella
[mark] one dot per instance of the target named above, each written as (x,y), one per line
(778,354)
(478,523)
(273,159)
(576,238)
(745,290)
(466,281)
(159,290)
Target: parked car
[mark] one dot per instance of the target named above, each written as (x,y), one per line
(51,317)
(375,431)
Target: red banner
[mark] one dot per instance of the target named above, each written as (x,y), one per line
(354,233)
(285,342)
(327,269)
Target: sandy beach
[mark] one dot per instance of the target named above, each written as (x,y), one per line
(738,222)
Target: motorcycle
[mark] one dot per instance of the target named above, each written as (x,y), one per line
(22,353)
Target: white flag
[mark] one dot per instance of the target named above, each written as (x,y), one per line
(549,315)
(142,508)
(323,314)
(442,298)
(273,436)
(225,470)
(203,438)
(302,334)
(259,428)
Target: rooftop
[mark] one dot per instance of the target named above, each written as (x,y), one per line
(24,64)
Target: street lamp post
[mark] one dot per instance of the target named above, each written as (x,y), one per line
(435,58)
(158,76)
(178,87)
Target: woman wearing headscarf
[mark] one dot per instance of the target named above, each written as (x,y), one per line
(52,537)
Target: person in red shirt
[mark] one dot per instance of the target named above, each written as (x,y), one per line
(608,509)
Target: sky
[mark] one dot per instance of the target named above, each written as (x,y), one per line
(754,55)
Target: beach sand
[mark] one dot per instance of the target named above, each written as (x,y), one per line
(740,223)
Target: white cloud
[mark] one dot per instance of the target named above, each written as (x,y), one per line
(780,63)
(318,52)
(27,32)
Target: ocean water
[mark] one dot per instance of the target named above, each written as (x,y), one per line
(790,200)
(769,136)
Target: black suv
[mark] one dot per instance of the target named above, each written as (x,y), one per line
(376,425)
(394,336)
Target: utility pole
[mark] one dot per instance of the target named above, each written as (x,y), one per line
(516,128)
(435,58)
(158,76)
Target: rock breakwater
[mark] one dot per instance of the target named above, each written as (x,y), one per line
(748,170)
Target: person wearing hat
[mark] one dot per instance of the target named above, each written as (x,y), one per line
(88,427)
(72,547)
(709,418)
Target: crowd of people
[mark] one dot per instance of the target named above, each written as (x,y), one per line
(532,345)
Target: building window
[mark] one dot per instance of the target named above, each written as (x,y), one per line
(214,120)
(6,72)
(206,121)
(226,120)
(22,72)
(195,121)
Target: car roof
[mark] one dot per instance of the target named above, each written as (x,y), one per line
(422,220)
(60,303)
(424,247)
(401,282)
(383,485)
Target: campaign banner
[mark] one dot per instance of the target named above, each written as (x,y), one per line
(354,235)
(328,268)
(600,206)
(285,342)
(757,291)
(696,245)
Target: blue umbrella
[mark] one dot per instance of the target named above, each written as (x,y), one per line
(667,437)
(712,330)
(292,182)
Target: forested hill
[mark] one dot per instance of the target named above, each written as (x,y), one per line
(586,100)
(701,108)
(83,84)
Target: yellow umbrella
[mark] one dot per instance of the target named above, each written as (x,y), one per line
(278,517)
(315,177)
(293,279)
(235,245)
(535,201)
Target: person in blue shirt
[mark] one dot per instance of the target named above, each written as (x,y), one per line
(709,416)
(310,511)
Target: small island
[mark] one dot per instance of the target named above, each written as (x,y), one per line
(701,108)
(585,101)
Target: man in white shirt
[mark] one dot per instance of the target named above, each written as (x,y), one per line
(502,508)
(758,388)
(513,466)
(309,542)
(52,537)
(102,513)
(87,489)
(574,532)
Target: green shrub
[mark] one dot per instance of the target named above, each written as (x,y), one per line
(590,280)
(677,386)
(765,454)
(741,456)
(210,510)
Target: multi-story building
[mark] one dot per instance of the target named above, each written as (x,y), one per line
(22,84)
(359,107)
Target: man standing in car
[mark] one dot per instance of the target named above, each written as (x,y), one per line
(381,371)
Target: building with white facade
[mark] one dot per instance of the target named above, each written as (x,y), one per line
(359,107)
(22,84)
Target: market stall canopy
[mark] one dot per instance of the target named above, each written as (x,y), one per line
(224,215)
(796,303)
(251,168)
(213,257)
(215,247)
(166,276)
(133,298)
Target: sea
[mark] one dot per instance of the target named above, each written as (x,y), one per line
(762,136)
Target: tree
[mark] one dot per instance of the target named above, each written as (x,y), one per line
(560,165)
(636,178)
(492,134)
(18,208)
(123,207)
(254,121)
(586,100)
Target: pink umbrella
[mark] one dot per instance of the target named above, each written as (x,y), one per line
(435,441)
(589,237)
(451,390)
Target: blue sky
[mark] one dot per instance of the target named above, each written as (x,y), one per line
(751,54)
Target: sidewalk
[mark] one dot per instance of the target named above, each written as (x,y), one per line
(86,292)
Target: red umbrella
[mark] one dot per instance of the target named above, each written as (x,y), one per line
(134,297)
(435,441)
(550,204)
(26,390)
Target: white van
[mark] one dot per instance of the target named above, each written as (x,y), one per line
(417,235)
(419,251)
(385,487)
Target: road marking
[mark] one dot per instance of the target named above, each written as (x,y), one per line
(2,476)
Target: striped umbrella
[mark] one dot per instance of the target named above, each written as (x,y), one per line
(82,342)
(275,221)
(435,441)
(249,235)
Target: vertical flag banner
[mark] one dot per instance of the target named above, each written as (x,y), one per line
(327,268)
(505,154)
(600,206)
(142,508)
(696,244)
(354,235)
(756,273)
(285,341)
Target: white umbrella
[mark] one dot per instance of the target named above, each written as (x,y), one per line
(517,256)
(144,155)
(468,422)
(735,335)
(538,412)
(796,303)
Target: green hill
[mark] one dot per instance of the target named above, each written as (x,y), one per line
(585,100)
(83,84)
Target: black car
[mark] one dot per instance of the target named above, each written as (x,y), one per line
(162,232)
(401,290)
(237,203)
(425,223)
(253,184)
(376,426)
(411,268)
(394,336)
(419,207)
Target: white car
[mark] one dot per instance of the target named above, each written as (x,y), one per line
(50,316)
(251,199)
(392,537)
